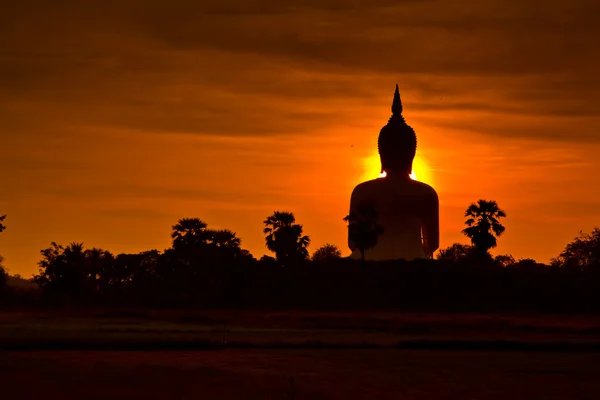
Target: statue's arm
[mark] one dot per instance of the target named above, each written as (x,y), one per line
(351,244)
(431,225)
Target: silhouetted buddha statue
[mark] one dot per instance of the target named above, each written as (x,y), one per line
(407,210)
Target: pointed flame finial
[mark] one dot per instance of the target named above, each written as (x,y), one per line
(397,141)
(397,103)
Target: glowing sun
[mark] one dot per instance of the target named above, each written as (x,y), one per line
(372,167)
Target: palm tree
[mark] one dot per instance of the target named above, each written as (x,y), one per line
(73,272)
(188,232)
(75,251)
(284,237)
(363,228)
(99,268)
(222,245)
(483,225)
(2,227)
(223,238)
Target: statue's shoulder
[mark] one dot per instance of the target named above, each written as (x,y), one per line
(367,186)
(425,189)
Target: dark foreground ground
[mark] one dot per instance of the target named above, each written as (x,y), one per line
(299,374)
(297,355)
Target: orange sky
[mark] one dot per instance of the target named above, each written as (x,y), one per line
(120,118)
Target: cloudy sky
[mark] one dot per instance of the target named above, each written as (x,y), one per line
(120,117)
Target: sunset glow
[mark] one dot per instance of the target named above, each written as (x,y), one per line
(372,169)
(113,127)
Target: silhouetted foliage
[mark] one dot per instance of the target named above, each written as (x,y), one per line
(207,268)
(456,252)
(582,253)
(62,270)
(3,273)
(268,260)
(454,282)
(3,276)
(284,237)
(504,260)
(465,256)
(327,252)
(364,230)
(20,291)
(483,225)
(527,263)
(99,266)
(189,234)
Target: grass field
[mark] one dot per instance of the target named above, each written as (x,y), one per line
(300,355)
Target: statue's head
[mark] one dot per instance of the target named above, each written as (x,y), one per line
(397,142)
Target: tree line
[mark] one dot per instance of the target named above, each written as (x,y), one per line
(207,267)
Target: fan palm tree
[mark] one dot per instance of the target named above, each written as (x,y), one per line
(222,245)
(363,228)
(188,232)
(72,270)
(223,238)
(75,251)
(284,237)
(483,225)
(99,267)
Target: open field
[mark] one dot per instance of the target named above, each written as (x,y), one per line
(72,330)
(297,355)
(300,374)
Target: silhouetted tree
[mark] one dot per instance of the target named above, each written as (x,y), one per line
(247,255)
(3,273)
(483,225)
(267,260)
(62,269)
(189,253)
(195,243)
(327,252)
(3,276)
(504,260)
(284,237)
(363,228)
(527,263)
(100,271)
(222,238)
(582,253)
(148,265)
(455,252)
(188,233)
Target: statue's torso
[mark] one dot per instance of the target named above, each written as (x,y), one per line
(401,205)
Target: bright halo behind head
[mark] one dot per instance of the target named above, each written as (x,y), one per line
(372,169)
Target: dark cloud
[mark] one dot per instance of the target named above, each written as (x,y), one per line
(478,38)
(565,209)
(503,128)
(32,163)
(253,68)
(160,190)
(133,213)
